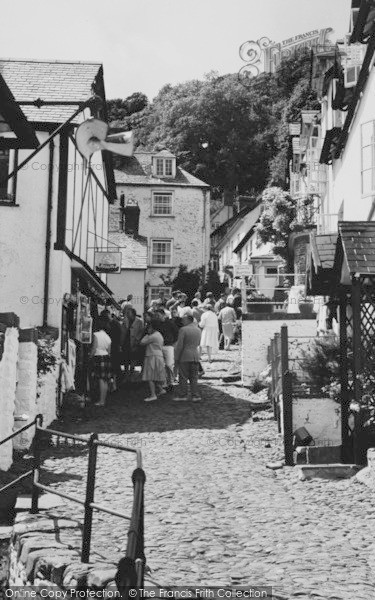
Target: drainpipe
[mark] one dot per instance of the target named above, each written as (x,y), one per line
(204,257)
(48,234)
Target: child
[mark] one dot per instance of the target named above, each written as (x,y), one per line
(153,367)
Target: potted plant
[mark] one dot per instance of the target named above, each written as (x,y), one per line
(305,304)
(258,303)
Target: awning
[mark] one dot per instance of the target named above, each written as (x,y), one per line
(320,281)
(355,250)
(329,146)
(93,285)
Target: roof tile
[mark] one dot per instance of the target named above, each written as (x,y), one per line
(49,80)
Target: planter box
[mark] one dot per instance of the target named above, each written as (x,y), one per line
(259,307)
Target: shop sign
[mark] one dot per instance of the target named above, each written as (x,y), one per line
(242,270)
(107,262)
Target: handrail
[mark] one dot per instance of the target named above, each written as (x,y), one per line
(135,546)
(21,430)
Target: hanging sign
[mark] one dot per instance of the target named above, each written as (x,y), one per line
(107,262)
(242,270)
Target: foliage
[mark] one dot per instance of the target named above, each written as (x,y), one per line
(185,281)
(119,111)
(212,284)
(233,137)
(321,363)
(47,359)
(277,219)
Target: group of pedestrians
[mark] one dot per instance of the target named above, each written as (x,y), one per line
(167,343)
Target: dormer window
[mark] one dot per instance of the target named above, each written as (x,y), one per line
(164,165)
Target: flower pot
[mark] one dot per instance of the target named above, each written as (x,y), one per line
(259,307)
(306,308)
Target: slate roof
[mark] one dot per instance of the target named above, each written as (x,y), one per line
(136,170)
(50,80)
(323,249)
(358,243)
(133,249)
(246,238)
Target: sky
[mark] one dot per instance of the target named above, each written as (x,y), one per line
(145,44)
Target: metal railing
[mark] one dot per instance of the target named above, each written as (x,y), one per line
(276,293)
(131,568)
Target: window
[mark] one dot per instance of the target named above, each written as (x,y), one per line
(161,204)
(154,291)
(161,252)
(164,167)
(368,158)
(7,188)
(271,271)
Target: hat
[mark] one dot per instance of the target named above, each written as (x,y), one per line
(186,312)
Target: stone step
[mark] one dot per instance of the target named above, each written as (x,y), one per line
(317,455)
(46,501)
(330,471)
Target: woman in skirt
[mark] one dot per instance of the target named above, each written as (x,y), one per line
(101,360)
(153,367)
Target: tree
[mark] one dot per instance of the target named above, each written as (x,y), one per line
(232,120)
(277,220)
(185,281)
(121,112)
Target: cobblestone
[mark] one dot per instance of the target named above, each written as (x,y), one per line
(214,514)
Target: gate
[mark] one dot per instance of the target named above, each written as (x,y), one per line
(357,339)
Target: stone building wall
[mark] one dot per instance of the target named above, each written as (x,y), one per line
(188,227)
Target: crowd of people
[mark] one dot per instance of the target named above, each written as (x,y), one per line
(168,343)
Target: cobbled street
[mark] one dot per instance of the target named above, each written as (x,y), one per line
(215,515)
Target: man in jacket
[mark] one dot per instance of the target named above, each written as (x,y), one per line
(187,357)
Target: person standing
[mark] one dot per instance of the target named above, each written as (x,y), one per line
(227,317)
(153,368)
(187,357)
(169,331)
(132,349)
(100,359)
(210,331)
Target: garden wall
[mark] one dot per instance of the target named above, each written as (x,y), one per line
(257,331)
(321,417)
(44,551)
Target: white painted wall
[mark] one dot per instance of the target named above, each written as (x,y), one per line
(347,169)
(22,242)
(233,238)
(321,417)
(256,337)
(8,382)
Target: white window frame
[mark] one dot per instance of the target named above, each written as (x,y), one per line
(266,274)
(164,162)
(371,145)
(158,240)
(162,193)
(156,289)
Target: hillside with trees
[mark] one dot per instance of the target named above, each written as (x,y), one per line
(233,137)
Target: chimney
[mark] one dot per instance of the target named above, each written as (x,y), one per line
(131,213)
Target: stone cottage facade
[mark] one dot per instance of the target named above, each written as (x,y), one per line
(174,215)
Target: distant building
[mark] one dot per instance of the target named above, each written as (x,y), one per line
(174,215)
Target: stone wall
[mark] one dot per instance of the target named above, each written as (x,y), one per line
(47,398)
(25,401)
(321,417)
(8,382)
(259,329)
(44,551)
